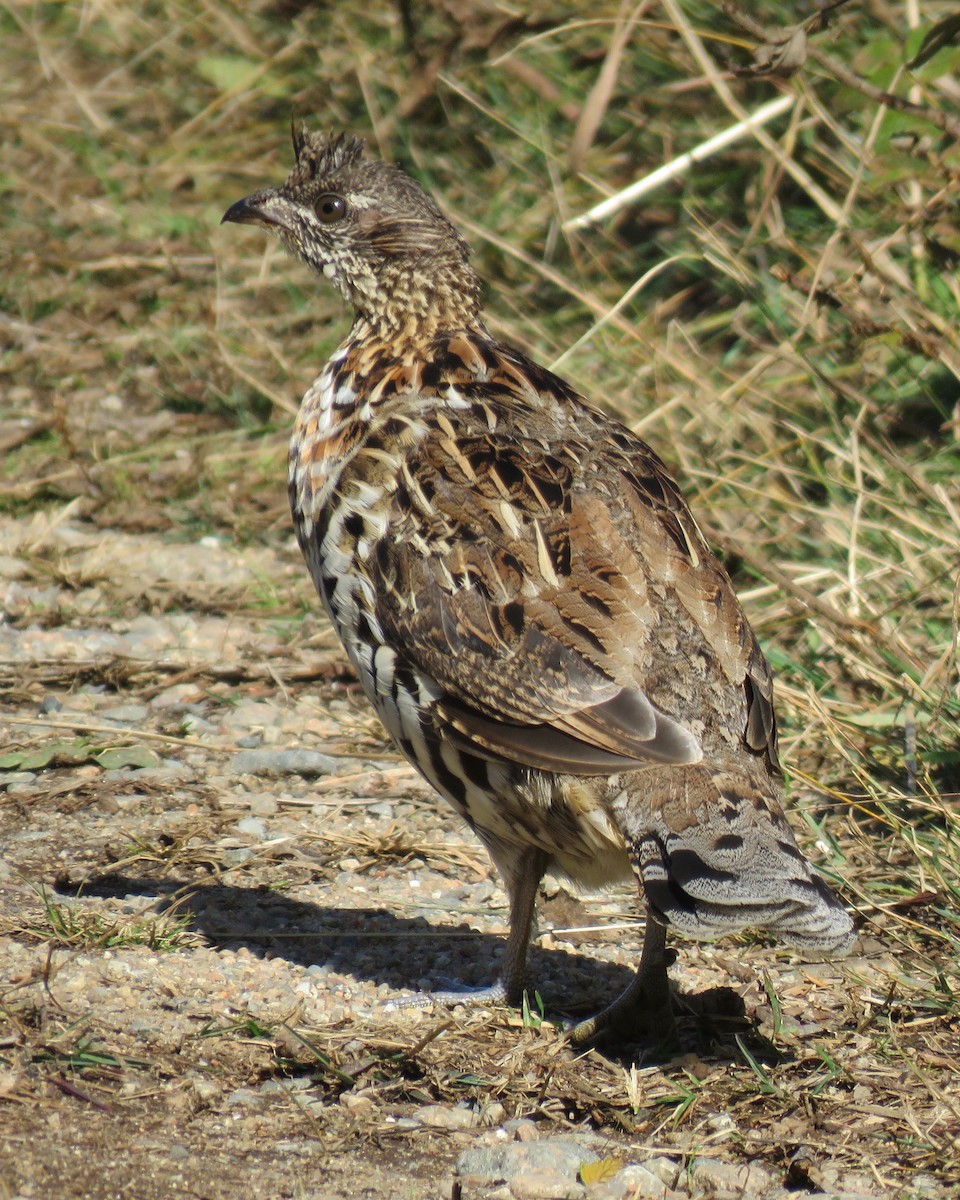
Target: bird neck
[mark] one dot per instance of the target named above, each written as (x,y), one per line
(414,301)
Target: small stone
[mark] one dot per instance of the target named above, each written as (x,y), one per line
(252,828)
(546,1185)
(176,696)
(263,805)
(610,1189)
(492,1114)
(858,1184)
(440,1116)
(12,568)
(21,789)
(50,704)
(665,1169)
(274,1087)
(283,762)
(205,1090)
(252,716)
(179,1152)
(16,779)
(193,725)
(564,1156)
(125,714)
(358,1106)
(742,1178)
(639,1181)
(237,855)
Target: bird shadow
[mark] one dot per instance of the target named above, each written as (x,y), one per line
(379,947)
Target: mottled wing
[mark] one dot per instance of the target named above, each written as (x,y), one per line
(557,590)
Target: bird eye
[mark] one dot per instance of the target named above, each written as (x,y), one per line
(330,208)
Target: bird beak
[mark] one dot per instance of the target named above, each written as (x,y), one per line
(253,210)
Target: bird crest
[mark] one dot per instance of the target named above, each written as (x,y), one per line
(319,154)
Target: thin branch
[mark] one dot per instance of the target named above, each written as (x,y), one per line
(679,166)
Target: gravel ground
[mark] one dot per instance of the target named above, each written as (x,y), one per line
(218,886)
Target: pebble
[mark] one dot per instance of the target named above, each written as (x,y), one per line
(527,1131)
(125,714)
(493,1163)
(665,1169)
(359,1106)
(747,1179)
(848,1196)
(237,855)
(16,779)
(442,1116)
(196,726)
(178,695)
(492,1114)
(546,1185)
(12,568)
(305,1147)
(406,1123)
(252,827)
(252,715)
(205,1090)
(22,788)
(283,762)
(262,804)
(637,1180)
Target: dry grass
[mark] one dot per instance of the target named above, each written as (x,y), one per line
(792,351)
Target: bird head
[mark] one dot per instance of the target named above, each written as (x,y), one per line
(372,231)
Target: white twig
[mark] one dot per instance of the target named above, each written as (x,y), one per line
(682,164)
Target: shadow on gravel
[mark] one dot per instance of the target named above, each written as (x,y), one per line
(377,946)
(367,943)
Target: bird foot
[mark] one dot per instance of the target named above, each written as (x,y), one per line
(644,1011)
(628,1022)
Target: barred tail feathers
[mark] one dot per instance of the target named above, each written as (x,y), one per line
(716,855)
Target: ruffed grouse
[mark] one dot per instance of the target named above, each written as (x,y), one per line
(529,604)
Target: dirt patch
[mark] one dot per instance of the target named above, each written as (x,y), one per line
(218,880)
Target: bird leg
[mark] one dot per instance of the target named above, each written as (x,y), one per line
(521,871)
(643,1010)
(522,883)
